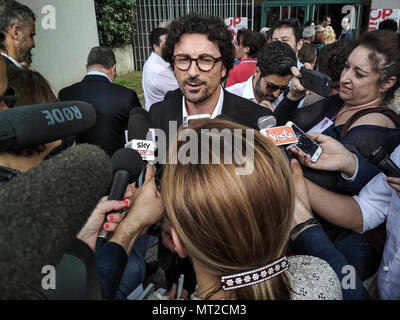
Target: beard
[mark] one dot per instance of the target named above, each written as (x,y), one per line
(26,56)
(192,95)
(261,95)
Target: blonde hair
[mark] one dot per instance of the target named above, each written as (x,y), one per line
(330,35)
(233,223)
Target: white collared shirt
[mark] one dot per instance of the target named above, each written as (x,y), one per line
(244,89)
(217,110)
(379,203)
(12,60)
(158,79)
(98,73)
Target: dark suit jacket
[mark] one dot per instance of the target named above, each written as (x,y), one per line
(234,108)
(112,103)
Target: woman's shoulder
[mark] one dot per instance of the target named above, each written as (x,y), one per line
(313,279)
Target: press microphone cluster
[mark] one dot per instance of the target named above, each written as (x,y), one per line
(29,126)
(376,155)
(43,210)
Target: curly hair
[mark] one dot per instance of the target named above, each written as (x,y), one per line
(332,58)
(251,39)
(276,58)
(195,23)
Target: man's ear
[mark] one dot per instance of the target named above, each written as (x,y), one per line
(15,32)
(299,45)
(257,73)
(179,246)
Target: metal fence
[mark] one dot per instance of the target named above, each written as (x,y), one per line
(150,13)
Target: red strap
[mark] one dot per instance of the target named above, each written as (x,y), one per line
(363,112)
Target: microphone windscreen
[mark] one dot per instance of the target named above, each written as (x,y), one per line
(42,211)
(266,122)
(371,150)
(30,126)
(128,160)
(138,124)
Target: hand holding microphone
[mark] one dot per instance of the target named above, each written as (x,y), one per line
(105,210)
(146,211)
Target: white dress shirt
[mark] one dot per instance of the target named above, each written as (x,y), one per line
(217,111)
(11,59)
(244,89)
(158,79)
(379,203)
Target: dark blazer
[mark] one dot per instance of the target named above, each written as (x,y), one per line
(234,108)
(112,103)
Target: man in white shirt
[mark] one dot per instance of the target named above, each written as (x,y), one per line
(158,77)
(17,23)
(271,77)
(289,31)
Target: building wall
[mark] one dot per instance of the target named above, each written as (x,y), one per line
(65,33)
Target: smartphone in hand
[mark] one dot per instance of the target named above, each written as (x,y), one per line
(305,143)
(315,81)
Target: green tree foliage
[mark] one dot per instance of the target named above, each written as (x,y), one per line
(114,21)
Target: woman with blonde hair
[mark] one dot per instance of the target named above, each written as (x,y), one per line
(235,227)
(330,35)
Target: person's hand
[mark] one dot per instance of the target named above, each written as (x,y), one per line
(91,229)
(267,104)
(296,90)
(148,207)
(334,157)
(394,183)
(302,208)
(173,291)
(146,211)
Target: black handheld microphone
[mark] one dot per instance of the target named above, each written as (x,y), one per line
(127,165)
(42,211)
(138,127)
(29,126)
(375,155)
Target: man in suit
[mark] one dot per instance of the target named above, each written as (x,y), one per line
(201,61)
(201,53)
(112,102)
(17,24)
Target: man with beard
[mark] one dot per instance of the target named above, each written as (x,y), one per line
(201,53)
(17,24)
(272,75)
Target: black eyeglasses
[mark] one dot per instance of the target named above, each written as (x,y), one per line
(10,97)
(273,87)
(205,63)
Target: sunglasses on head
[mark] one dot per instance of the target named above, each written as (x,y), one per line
(273,87)
(9,97)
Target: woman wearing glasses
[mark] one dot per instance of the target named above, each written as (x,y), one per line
(367,84)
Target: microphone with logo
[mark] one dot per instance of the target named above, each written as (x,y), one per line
(42,211)
(127,165)
(138,128)
(376,155)
(29,126)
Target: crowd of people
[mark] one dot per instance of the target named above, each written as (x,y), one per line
(287,229)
